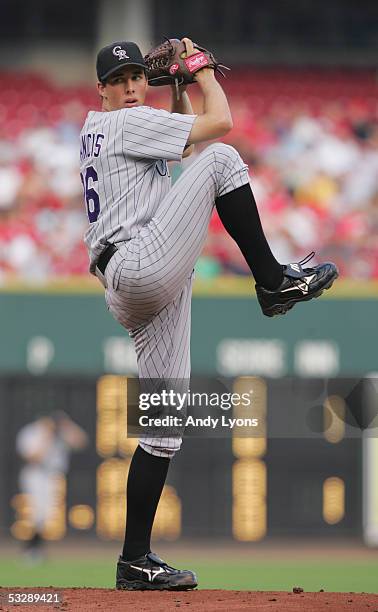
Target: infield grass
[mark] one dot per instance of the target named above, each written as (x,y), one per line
(338,576)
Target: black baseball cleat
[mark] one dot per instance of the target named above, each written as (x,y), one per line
(298,285)
(149,573)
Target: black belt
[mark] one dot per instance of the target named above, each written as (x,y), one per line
(105,257)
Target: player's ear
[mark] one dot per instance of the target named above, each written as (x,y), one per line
(101,89)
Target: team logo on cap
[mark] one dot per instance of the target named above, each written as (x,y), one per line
(120,53)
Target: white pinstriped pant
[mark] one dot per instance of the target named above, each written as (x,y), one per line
(149,279)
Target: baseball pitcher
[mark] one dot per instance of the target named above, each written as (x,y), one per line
(145,235)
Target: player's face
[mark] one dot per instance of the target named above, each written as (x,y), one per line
(124,89)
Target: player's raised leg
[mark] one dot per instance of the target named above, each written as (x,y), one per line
(169,245)
(278,288)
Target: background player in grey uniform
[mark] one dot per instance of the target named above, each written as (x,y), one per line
(45,446)
(144,238)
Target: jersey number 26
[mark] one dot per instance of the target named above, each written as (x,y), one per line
(89,178)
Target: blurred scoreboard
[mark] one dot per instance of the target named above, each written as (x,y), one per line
(236,487)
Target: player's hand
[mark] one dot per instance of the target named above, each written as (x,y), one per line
(190,50)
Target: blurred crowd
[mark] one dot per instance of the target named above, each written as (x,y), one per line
(310,140)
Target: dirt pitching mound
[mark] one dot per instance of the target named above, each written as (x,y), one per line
(90,600)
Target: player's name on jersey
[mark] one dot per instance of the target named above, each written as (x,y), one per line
(91,143)
(190,421)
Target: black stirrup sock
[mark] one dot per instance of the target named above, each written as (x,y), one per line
(145,483)
(240,217)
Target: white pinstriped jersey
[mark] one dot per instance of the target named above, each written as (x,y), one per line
(124,172)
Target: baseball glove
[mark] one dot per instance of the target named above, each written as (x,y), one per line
(167,64)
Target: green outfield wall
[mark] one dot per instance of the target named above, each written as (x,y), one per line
(68,329)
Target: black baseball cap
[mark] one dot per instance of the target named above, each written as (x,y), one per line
(113,57)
